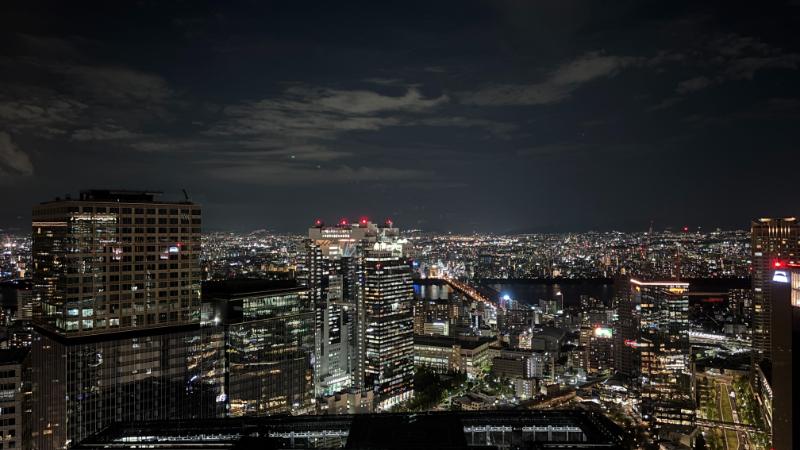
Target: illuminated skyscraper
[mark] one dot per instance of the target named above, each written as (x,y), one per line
(626,332)
(784,290)
(664,352)
(772,240)
(117,333)
(388,332)
(334,262)
(116,260)
(268,330)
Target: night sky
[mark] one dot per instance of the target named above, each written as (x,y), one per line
(490,116)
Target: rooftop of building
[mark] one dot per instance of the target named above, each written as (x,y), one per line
(448,341)
(551,332)
(119,196)
(246,287)
(13,355)
(21,284)
(443,430)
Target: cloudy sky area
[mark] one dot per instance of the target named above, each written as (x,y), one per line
(489,116)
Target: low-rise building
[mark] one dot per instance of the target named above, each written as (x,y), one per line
(442,354)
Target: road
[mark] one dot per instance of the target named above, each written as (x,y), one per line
(741,435)
(731,437)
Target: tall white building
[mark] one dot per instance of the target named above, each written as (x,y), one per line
(344,285)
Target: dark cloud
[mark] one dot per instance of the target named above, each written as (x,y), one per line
(556,86)
(551,114)
(13,161)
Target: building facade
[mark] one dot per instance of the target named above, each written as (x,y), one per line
(117,333)
(115,261)
(268,332)
(773,239)
(667,400)
(82,385)
(784,294)
(14,414)
(386,298)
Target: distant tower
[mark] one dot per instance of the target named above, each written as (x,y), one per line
(772,240)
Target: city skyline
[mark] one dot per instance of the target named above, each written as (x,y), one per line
(154,325)
(480,224)
(501,116)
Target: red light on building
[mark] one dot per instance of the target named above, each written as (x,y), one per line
(777,264)
(685,229)
(317,223)
(343,222)
(363,221)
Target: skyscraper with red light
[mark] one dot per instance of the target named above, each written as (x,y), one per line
(774,240)
(337,276)
(784,290)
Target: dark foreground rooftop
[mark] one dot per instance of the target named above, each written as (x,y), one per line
(440,430)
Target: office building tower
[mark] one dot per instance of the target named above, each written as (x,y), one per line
(626,332)
(331,253)
(784,294)
(117,332)
(667,401)
(600,350)
(268,335)
(388,331)
(14,413)
(116,261)
(596,335)
(335,267)
(773,239)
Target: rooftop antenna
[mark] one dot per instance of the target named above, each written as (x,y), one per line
(185,194)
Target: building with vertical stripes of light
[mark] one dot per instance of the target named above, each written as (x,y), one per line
(389,327)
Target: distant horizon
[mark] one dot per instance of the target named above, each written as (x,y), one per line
(402,228)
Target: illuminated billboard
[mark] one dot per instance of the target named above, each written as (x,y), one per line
(602,332)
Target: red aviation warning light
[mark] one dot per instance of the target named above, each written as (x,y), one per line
(389,222)
(363,221)
(343,222)
(318,223)
(777,264)
(685,229)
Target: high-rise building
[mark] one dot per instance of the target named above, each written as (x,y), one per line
(117,332)
(626,333)
(331,255)
(388,327)
(268,335)
(115,261)
(773,239)
(784,294)
(665,374)
(336,267)
(600,350)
